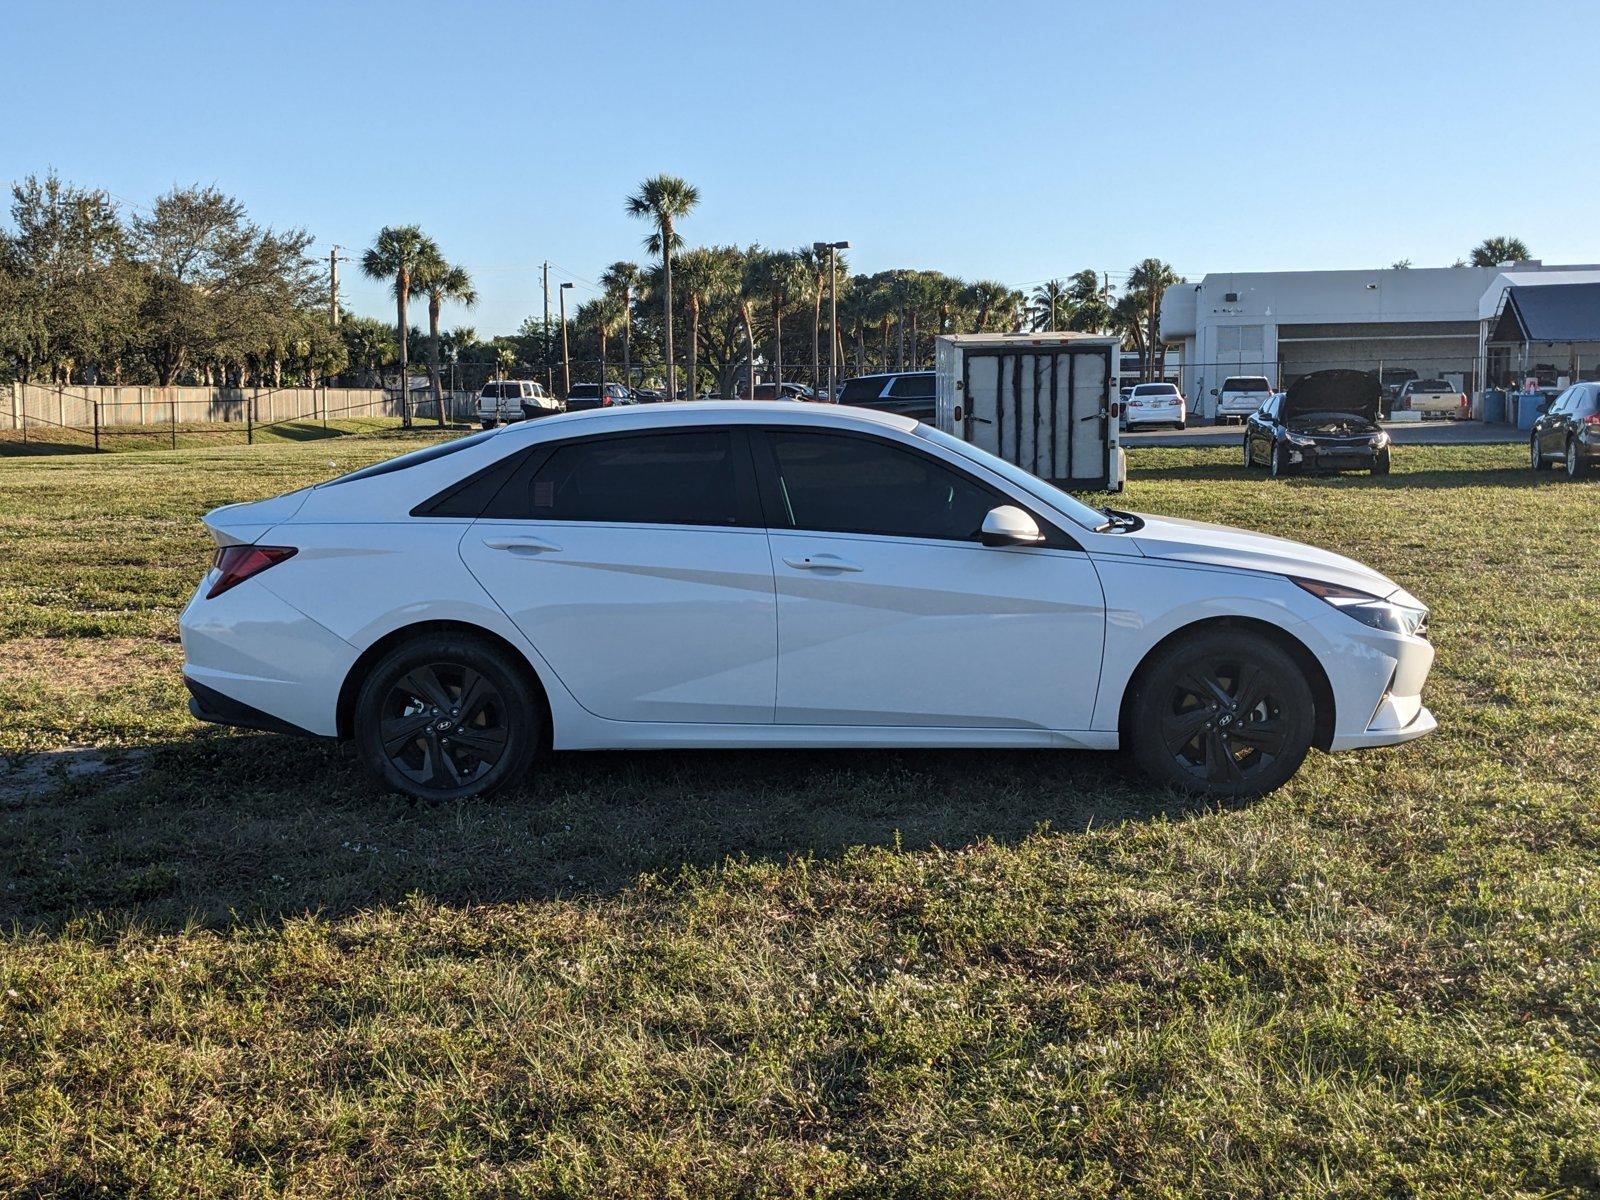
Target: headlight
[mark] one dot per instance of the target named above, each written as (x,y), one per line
(1380,440)
(1298,439)
(1368,609)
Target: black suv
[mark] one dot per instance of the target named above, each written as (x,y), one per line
(1569,431)
(904,393)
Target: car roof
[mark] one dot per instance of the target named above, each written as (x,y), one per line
(710,412)
(886,375)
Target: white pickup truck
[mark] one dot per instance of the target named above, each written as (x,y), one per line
(1431,398)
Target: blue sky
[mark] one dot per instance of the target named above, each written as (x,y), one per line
(1012,141)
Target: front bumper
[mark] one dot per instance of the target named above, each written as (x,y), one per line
(1334,456)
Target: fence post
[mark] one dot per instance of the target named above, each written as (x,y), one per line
(96,404)
(250,420)
(172,418)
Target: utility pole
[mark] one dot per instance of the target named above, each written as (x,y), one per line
(544,341)
(833,310)
(334,260)
(566,362)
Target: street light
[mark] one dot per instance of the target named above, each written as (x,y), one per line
(833,310)
(566,362)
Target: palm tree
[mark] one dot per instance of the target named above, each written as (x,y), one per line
(1091,310)
(1493,251)
(605,315)
(621,280)
(395,254)
(779,276)
(440,281)
(988,300)
(1149,281)
(705,274)
(1048,300)
(664,200)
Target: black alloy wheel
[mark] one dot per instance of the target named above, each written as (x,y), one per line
(1225,713)
(446,717)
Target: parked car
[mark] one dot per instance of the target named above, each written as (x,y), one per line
(1239,396)
(581,396)
(1434,397)
(908,393)
(1393,379)
(505,400)
(1568,433)
(1154,404)
(1326,421)
(747,574)
(780,391)
(647,395)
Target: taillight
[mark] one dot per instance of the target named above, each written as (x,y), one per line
(1592,420)
(238,563)
(605,402)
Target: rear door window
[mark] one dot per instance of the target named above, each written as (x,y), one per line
(918,387)
(860,391)
(685,478)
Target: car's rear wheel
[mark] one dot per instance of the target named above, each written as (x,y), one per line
(446,717)
(489,424)
(1577,466)
(1222,713)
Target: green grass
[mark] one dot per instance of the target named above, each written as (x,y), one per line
(233,967)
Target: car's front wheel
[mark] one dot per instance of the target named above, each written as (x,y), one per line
(1280,460)
(1249,462)
(1221,713)
(446,717)
(1380,464)
(1535,459)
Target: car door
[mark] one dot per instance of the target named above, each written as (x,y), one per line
(891,611)
(1549,429)
(1260,430)
(635,563)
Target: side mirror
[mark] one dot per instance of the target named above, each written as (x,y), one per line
(1008,525)
(1213,391)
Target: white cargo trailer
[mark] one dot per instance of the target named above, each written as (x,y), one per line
(1048,402)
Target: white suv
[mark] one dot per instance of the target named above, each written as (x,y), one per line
(1239,396)
(508,400)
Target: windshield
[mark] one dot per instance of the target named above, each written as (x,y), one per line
(1031,484)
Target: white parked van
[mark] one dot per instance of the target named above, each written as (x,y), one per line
(505,400)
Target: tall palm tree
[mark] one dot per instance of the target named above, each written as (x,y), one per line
(1149,281)
(664,200)
(780,277)
(991,304)
(440,281)
(1049,300)
(604,314)
(395,254)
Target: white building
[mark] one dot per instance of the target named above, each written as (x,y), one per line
(1417,322)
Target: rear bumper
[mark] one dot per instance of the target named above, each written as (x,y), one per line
(208,704)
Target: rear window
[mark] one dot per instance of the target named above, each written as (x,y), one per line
(858,390)
(491,391)
(1431,385)
(1156,389)
(657,479)
(1246,383)
(582,390)
(920,386)
(416,458)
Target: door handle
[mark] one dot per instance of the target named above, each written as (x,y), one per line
(821,562)
(521,545)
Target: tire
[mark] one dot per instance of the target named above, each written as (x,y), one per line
(1221,713)
(1380,465)
(1577,466)
(1181,426)
(454,751)
(1535,459)
(489,424)
(1281,465)
(1249,463)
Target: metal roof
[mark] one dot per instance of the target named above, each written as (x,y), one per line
(1562,312)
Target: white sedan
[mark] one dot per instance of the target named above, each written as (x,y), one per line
(1155,404)
(745,574)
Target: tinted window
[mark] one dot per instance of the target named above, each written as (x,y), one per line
(491,391)
(1431,385)
(920,386)
(1246,384)
(656,479)
(859,391)
(584,390)
(863,485)
(415,458)
(1155,389)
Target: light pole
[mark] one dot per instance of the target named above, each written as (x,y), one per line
(833,310)
(566,362)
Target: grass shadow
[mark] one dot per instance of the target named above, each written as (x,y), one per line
(222,828)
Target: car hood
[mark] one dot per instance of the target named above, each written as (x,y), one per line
(1223,546)
(1335,391)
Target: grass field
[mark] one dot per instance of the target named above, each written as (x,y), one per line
(231,967)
